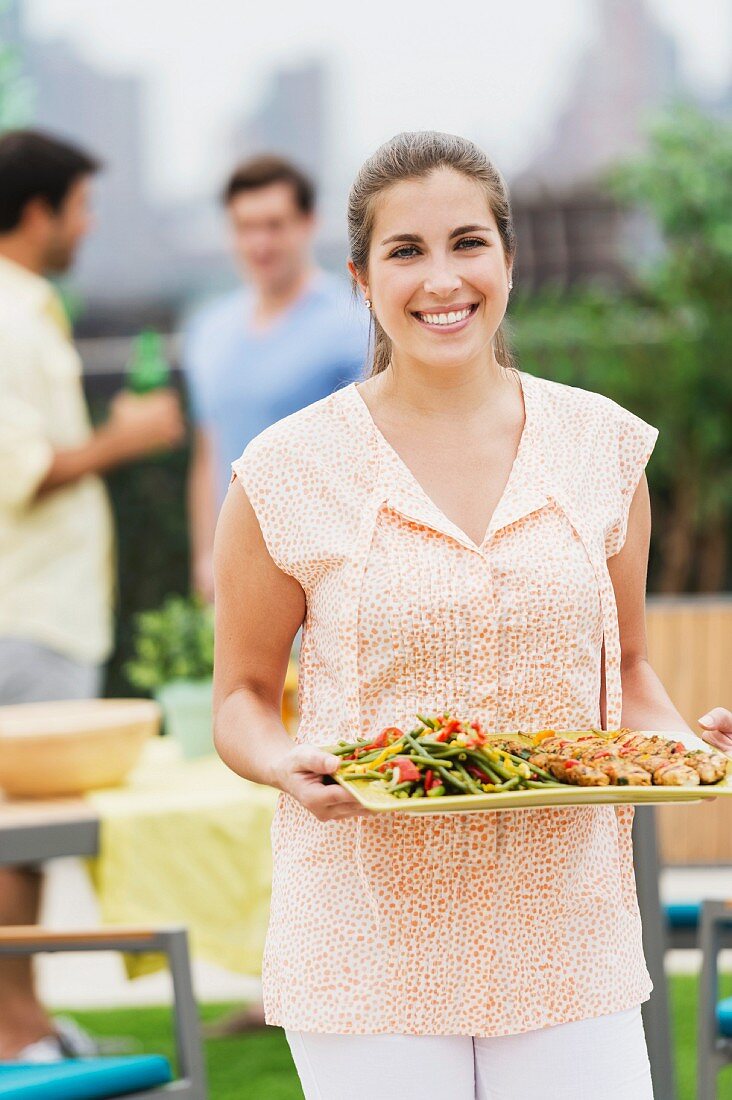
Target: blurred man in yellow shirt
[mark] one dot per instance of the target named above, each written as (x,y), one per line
(56,536)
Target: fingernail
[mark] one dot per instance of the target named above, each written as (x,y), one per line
(707,720)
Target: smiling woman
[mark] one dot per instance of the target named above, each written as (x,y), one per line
(454,535)
(430,183)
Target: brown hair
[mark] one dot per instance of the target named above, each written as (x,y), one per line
(268,168)
(413,155)
(38,165)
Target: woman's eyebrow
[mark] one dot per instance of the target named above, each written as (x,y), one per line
(416,239)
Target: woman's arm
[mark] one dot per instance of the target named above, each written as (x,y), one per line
(646,705)
(202,512)
(258,612)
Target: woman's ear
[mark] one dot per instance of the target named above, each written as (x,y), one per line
(362,285)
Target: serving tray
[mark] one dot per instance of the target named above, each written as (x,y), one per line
(381,801)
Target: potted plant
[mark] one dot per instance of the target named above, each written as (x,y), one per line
(173,661)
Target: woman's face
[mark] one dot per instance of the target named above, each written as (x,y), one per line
(437,275)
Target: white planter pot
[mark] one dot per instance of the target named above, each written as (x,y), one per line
(188,711)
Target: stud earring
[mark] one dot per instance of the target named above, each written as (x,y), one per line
(367,303)
(510,284)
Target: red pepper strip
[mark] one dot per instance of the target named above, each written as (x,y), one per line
(571,763)
(429,779)
(478,774)
(442,735)
(679,747)
(453,726)
(480,737)
(408,772)
(385,738)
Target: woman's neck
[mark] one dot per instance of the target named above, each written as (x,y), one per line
(443,396)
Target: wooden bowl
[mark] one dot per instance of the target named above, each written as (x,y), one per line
(51,749)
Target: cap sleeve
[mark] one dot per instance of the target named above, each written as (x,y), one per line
(261,478)
(635,442)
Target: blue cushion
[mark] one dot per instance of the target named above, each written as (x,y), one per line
(724,1016)
(83,1078)
(683,914)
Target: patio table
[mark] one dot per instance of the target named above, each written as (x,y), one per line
(182,841)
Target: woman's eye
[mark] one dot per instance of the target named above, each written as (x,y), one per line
(406,250)
(399,252)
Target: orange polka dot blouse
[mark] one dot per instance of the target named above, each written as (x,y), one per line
(482,924)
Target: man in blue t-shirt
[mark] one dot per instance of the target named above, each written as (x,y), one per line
(289,337)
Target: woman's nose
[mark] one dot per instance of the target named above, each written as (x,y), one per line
(442,280)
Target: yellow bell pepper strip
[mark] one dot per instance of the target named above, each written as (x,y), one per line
(542,735)
(390,750)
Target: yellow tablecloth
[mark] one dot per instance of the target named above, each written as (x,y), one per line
(187,842)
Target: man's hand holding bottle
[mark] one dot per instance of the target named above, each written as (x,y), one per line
(140,424)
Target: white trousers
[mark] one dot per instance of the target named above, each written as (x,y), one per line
(603,1058)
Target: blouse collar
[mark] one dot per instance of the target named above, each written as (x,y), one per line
(524,492)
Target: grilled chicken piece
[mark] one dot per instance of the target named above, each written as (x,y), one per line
(557,745)
(629,740)
(619,770)
(623,772)
(709,766)
(569,770)
(659,746)
(654,752)
(628,759)
(675,775)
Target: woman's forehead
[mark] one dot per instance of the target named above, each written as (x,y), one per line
(440,201)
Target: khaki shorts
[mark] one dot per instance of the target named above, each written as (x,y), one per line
(33,673)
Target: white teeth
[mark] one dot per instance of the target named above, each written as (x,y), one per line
(445,318)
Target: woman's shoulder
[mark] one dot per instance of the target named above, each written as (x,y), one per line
(577,410)
(308,429)
(319,438)
(306,477)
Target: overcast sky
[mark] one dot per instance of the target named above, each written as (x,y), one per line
(495,72)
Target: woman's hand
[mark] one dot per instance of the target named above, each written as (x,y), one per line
(300,773)
(717,729)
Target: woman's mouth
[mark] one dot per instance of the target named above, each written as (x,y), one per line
(447,320)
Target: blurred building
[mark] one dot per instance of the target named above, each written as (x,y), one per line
(632,69)
(569,229)
(145,258)
(121,265)
(290,120)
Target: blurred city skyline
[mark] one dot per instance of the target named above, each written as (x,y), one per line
(390,68)
(170,98)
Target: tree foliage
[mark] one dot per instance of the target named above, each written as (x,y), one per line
(16,93)
(664,349)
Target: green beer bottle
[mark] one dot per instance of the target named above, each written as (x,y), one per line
(147,368)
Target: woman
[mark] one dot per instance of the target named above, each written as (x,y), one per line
(454,535)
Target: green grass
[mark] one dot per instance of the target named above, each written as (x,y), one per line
(259,1064)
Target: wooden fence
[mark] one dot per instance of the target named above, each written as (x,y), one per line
(690,647)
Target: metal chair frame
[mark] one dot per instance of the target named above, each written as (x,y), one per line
(171,942)
(714,1051)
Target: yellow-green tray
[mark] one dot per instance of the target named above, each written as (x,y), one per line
(379,800)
